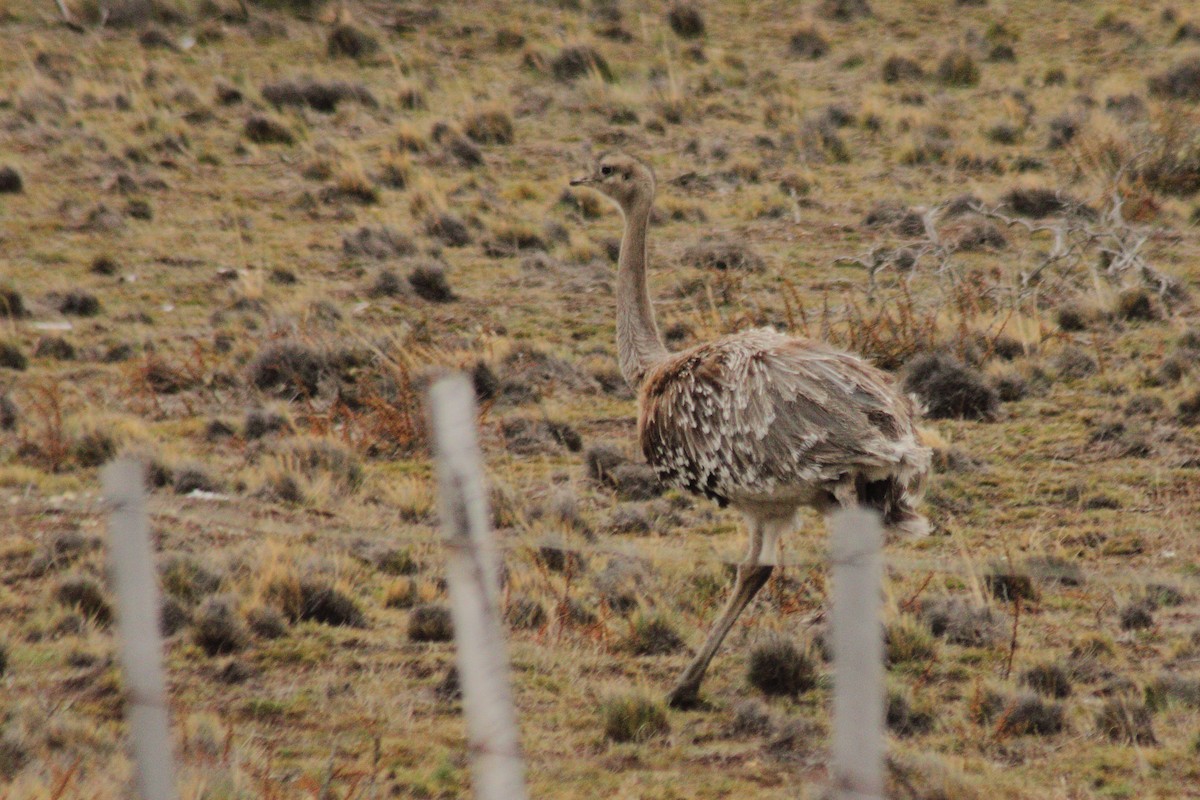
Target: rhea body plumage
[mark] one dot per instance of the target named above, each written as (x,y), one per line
(757,420)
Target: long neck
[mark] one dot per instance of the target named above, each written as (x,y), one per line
(638,342)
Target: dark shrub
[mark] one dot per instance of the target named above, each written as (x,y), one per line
(11,356)
(1171,687)
(903,719)
(901,68)
(1071,317)
(686,20)
(575,61)
(525,613)
(217,628)
(79,303)
(1121,720)
(949,389)
(351,42)
(1038,203)
(778,667)
(1137,615)
(1007,584)
(10,181)
(264,130)
(449,230)
(981,236)
(288,369)
(1136,304)
(11,303)
(84,593)
(490,127)
(8,413)
(1074,363)
(54,347)
(750,718)
(260,423)
(958,68)
(103,265)
(1181,82)
(844,10)
(322,602)
(323,96)
(1063,130)
(430,623)
(1189,409)
(186,578)
(961,622)
(267,622)
(808,42)
(653,636)
(722,256)
(1048,679)
(380,243)
(1028,714)
(430,283)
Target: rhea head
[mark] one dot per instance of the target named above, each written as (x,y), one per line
(629,182)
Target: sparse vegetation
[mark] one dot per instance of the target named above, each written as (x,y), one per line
(238,242)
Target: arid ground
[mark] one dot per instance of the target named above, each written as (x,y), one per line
(236,240)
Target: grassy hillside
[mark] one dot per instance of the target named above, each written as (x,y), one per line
(237,240)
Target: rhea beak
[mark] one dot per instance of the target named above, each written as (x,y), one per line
(581,181)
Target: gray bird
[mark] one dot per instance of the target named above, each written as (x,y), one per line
(760,421)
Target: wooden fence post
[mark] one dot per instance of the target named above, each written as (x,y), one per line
(131,563)
(472,570)
(858,677)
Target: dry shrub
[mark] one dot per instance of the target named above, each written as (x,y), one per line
(844,10)
(288,369)
(808,42)
(491,126)
(217,626)
(576,61)
(958,68)
(633,718)
(897,68)
(305,463)
(261,129)
(1181,81)
(351,42)
(381,415)
(323,96)
(85,594)
(12,305)
(653,635)
(1027,714)
(889,333)
(430,623)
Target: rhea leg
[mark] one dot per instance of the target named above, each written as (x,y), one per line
(752,573)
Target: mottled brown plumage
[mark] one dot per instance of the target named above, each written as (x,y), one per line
(763,420)
(760,421)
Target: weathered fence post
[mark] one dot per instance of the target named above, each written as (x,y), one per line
(472,569)
(858,690)
(132,566)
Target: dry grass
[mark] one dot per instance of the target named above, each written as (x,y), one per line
(241,247)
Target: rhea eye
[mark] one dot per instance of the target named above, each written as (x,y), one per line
(606,170)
